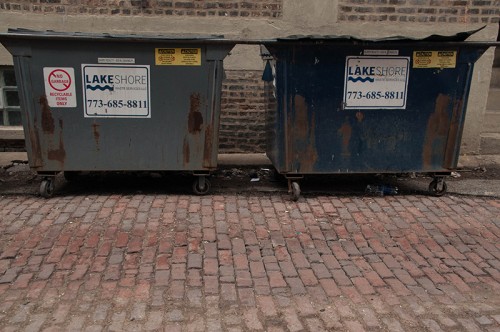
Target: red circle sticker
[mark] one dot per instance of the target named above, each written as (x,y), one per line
(59,80)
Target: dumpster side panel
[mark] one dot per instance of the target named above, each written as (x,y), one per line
(178,132)
(420,134)
(31,135)
(213,118)
(276,122)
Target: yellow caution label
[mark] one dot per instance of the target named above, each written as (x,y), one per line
(434,59)
(178,56)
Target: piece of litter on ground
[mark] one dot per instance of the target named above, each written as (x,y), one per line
(455,175)
(254,180)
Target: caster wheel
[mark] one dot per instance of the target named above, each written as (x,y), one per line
(47,188)
(438,189)
(71,176)
(295,191)
(198,189)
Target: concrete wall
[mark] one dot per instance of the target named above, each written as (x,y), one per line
(278,18)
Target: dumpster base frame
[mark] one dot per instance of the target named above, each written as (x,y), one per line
(437,187)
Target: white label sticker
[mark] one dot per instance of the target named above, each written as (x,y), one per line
(116,91)
(376,82)
(60,86)
(116,60)
(381,52)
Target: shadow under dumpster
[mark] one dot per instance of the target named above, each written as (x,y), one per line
(247,180)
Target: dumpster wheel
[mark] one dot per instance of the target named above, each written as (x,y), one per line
(295,191)
(438,187)
(47,188)
(201,186)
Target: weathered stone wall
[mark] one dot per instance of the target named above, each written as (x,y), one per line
(440,11)
(242,127)
(232,8)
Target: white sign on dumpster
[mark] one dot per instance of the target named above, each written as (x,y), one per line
(60,86)
(376,82)
(116,91)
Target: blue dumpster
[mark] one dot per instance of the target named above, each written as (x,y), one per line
(346,106)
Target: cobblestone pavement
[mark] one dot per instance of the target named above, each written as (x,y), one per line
(249,263)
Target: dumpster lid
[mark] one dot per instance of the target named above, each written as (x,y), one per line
(21,33)
(458,38)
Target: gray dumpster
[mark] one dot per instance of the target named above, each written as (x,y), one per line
(100,102)
(347,106)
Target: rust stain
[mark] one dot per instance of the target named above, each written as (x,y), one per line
(47,119)
(186,152)
(35,147)
(97,135)
(207,149)
(436,132)
(346,132)
(451,144)
(303,135)
(58,154)
(195,120)
(360,116)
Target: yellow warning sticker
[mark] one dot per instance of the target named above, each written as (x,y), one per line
(434,59)
(178,56)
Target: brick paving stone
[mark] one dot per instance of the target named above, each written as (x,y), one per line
(276,279)
(330,318)
(314,324)
(300,260)
(246,297)
(226,274)
(210,266)
(305,306)
(369,317)
(398,287)
(288,269)
(244,279)
(382,270)
(296,286)
(228,292)
(320,271)
(352,294)
(266,305)
(308,278)
(252,321)
(354,326)
(330,287)
(292,320)
(374,279)
(469,324)
(174,315)
(154,321)
(341,278)
(446,321)
(363,286)
(331,262)
(239,262)
(257,269)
